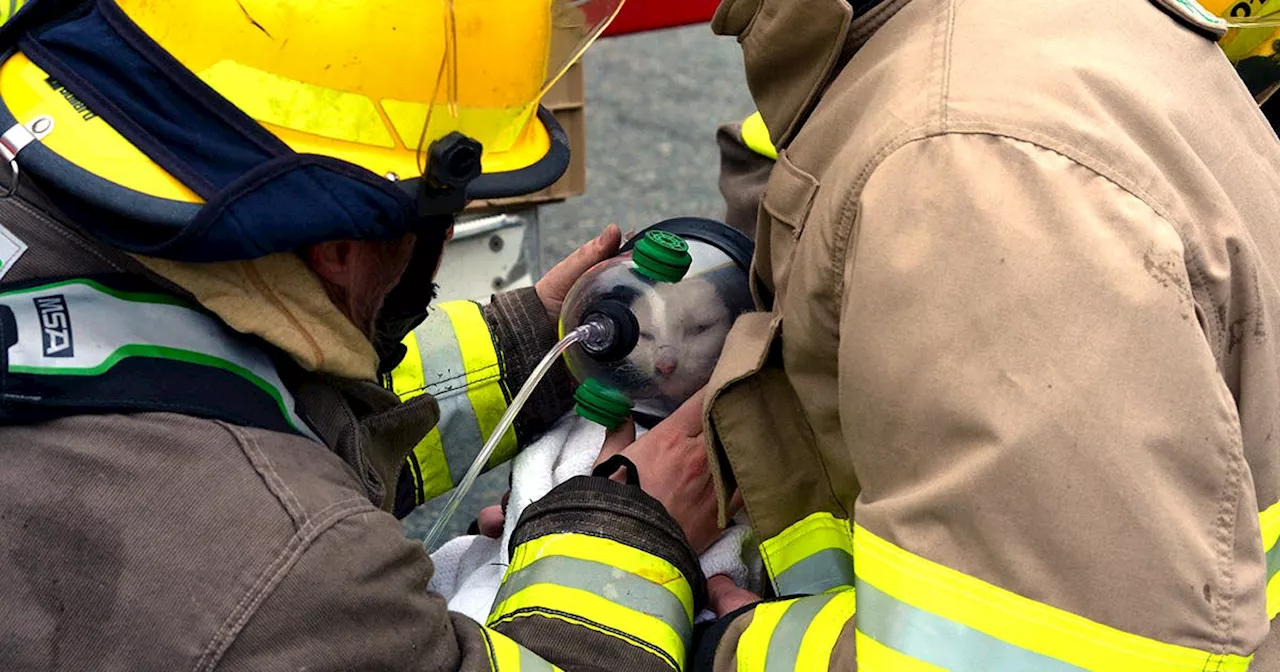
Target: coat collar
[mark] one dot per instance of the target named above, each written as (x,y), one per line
(792,50)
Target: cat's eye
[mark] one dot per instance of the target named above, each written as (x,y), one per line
(699,329)
(646,336)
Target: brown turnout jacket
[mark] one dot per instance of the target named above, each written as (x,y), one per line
(1015,383)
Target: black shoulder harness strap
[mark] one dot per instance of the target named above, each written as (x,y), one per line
(112,344)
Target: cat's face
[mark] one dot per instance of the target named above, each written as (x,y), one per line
(682,330)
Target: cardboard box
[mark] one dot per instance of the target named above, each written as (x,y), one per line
(567,101)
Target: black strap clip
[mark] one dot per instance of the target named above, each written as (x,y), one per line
(610,466)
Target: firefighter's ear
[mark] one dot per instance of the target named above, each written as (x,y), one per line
(333,261)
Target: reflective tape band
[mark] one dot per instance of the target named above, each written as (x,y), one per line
(8,9)
(1269,521)
(629,590)
(753,646)
(822,635)
(784,645)
(408,378)
(271,98)
(445,376)
(596,613)
(431,469)
(812,556)
(876,657)
(427,460)
(91,328)
(505,655)
(484,374)
(451,356)
(794,634)
(617,555)
(942,617)
(828,569)
(756,137)
(918,634)
(603,585)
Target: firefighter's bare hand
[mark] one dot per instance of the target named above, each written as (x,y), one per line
(672,464)
(555,285)
(724,597)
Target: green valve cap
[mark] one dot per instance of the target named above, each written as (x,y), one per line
(602,404)
(662,256)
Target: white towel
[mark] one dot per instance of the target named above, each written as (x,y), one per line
(469,569)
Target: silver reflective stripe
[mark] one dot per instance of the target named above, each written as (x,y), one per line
(940,641)
(446,380)
(818,573)
(101,326)
(620,587)
(784,643)
(530,662)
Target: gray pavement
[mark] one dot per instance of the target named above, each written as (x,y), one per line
(654,101)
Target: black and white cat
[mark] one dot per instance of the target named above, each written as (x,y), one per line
(682,330)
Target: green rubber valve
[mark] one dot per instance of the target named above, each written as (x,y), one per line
(662,256)
(602,404)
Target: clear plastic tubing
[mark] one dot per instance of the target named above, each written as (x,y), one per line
(592,332)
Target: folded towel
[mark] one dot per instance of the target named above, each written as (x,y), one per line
(469,569)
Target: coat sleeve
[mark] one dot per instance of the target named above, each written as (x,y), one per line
(601,579)
(474,360)
(1051,464)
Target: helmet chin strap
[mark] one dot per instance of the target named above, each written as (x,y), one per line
(406,305)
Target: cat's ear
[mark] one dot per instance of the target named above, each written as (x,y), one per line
(626,295)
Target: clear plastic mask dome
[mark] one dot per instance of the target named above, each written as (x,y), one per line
(666,328)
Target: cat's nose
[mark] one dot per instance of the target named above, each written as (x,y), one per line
(666,366)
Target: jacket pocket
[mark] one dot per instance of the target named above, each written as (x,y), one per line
(785,206)
(758,436)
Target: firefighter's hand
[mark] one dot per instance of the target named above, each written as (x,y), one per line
(672,461)
(555,285)
(724,597)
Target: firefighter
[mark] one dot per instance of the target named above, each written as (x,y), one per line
(1011,402)
(219,223)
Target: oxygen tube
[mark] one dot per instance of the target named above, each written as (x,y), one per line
(600,332)
(617,304)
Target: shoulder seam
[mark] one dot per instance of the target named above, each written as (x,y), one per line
(848,210)
(266,470)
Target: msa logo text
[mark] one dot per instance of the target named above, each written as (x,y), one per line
(55,325)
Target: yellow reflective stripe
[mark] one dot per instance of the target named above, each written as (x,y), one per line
(9,8)
(1269,521)
(430,468)
(756,137)
(617,555)
(821,637)
(408,380)
(484,375)
(586,608)
(615,608)
(505,655)
(753,647)
(451,356)
(812,556)
(271,98)
(623,588)
(876,657)
(796,634)
(930,608)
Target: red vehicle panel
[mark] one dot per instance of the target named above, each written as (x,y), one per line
(641,15)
